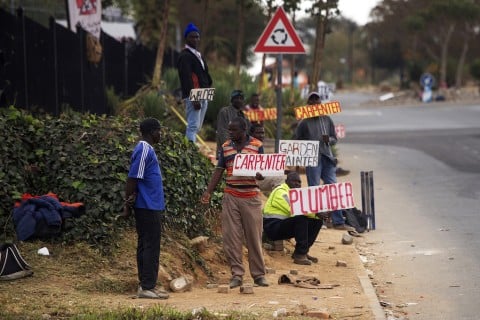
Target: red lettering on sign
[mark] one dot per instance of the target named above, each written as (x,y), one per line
(333,196)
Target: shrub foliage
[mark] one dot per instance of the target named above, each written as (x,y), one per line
(85,158)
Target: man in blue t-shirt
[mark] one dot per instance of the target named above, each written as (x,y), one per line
(144,194)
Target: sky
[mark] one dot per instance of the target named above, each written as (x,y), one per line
(357,10)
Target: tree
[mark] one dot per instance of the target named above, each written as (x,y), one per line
(323,11)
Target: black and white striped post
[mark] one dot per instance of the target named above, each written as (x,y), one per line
(368,198)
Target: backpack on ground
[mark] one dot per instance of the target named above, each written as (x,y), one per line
(355,218)
(12,264)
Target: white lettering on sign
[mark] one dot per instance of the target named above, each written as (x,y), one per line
(201,94)
(323,198)
(248,165)
(302,153)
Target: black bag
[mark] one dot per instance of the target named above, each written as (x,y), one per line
(355,218)
(12,264)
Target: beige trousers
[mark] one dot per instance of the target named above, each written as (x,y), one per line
(242,219)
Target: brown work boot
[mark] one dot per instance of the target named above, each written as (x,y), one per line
(301,259)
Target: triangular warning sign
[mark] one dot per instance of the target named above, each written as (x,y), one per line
(279,36)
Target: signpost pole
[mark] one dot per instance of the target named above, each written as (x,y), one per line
(278,135)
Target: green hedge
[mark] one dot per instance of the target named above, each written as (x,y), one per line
(85,158)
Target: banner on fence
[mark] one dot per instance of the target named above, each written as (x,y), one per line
(268,164)
(87,13)
(202,94)
(310,111)
(323,198)
(302,153)
(261,115)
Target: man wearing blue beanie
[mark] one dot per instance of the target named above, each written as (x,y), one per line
(193,74)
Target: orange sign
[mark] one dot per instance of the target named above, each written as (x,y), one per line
(316,110)
(261,115)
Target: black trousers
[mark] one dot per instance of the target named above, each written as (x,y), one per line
(305,230)
(148,225)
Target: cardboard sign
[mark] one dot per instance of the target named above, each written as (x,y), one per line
(323,198)
(316,110)
(248,165)
(201,94)
(261,115)
(302,153)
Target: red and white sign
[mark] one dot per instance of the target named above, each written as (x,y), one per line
(340,131)
(302,153)
(279,36)
(248,165)
(87,13)
(323,198)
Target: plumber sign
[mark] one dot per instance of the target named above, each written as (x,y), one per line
(323,198)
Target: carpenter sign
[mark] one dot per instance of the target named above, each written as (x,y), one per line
(302,153)
(261,115)
(310,111)
(248,165)
(323,198)
(202,94)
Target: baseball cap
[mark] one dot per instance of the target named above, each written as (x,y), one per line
(236,93)
(313,94)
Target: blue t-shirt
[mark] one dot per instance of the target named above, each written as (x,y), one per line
(145,168)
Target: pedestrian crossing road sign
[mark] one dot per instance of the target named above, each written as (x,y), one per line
(279,36)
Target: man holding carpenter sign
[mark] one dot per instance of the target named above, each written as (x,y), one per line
(322,129)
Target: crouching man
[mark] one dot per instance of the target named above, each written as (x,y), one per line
(279,224)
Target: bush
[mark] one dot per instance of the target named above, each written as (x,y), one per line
(85,158)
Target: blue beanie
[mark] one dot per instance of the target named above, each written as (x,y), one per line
(190,28)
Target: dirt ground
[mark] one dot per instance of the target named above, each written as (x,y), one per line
(76,278)
(71,280)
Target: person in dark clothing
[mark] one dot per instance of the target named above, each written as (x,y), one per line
(227,114)
(145,196)
(193,73)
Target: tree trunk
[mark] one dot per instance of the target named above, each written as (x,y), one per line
(444,57)
(262,84)
(318,51)
(157,72)
(240,37)
(204,26)
(460,65)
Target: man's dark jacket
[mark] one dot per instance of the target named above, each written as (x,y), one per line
(191,73)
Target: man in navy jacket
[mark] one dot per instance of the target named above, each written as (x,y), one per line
(193,73)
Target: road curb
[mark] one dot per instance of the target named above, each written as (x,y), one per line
(369,291)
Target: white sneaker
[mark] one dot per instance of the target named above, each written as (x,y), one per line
(151,294)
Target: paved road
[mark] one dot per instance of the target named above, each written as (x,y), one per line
(427,196)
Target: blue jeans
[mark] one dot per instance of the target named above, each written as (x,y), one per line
(326,171)
(194,118)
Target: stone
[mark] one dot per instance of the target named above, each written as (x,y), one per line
(246,289)
(347,239)
(319,314)
(341,263)
(270,270)
(180,284)
(200,243)
(223,288)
